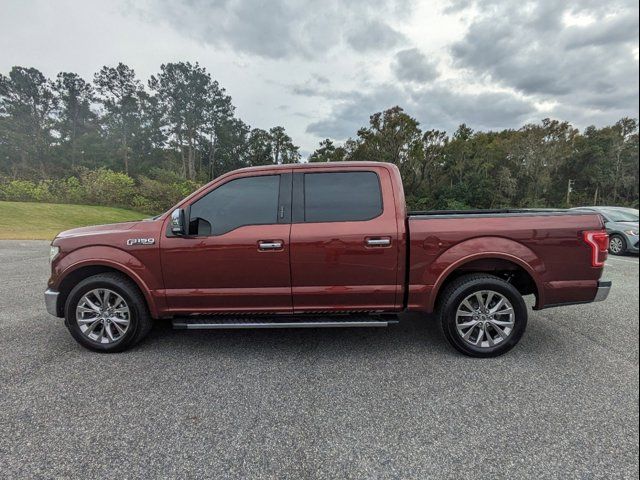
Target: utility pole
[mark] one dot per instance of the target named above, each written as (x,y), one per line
(569,190)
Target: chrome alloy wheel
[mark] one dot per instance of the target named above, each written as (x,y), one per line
(103,316)
(615,245)
(485,319)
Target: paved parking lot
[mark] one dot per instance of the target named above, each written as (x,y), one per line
(305,404)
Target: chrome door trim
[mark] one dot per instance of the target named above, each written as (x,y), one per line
(270,245)
(378,242)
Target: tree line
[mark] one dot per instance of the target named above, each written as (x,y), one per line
(65,139)
(550,164)
(182,121)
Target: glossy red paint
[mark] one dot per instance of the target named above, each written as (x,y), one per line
(329,266)
(333,268)
(227,273)
(549,248)
(106,246)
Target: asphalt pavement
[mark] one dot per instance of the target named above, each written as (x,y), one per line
(314,404)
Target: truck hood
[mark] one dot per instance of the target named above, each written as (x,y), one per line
(97,230)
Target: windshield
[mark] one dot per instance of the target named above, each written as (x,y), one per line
(620,215)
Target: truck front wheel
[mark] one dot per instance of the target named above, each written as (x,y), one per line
(482,315)
(107,313)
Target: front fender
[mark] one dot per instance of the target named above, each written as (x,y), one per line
(133,264)
(481,248)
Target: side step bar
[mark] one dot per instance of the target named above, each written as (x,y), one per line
(282,321)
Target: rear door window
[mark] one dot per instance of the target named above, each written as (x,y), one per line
(341,196)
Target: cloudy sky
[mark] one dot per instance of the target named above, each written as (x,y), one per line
(321,67)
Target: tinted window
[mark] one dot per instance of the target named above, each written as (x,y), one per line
(245,201)
(341,196)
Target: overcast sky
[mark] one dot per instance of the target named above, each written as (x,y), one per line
(320,68)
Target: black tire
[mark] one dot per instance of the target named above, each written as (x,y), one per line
(623,245)
(140,320)
(458,290)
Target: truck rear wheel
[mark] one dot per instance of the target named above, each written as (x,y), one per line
(107,313)
(482,315)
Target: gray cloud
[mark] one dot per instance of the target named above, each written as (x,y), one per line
(456,6)
(373,35)
(413,66)
(284,61)
(533,52)
(353,112)
(607,31)
(435,107)
(282,28)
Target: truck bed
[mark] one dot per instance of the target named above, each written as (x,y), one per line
(546,244)
(491,212)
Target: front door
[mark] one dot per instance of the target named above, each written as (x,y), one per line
(236,256)
(344,242)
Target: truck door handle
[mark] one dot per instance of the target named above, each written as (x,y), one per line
(270,245)
(378,242)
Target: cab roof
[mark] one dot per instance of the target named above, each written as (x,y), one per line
(296,166)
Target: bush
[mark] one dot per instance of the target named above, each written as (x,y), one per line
(155,196)
(67,190)
(103,187)
(26,191)
(106,187)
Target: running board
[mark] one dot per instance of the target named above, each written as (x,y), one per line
(282,321)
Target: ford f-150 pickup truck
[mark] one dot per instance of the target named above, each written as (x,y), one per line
(322,245)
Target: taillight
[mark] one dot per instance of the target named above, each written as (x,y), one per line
(599,242)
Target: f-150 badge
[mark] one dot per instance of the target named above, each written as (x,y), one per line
(141,241)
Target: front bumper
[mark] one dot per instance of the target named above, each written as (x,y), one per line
(51,301)
(603,291)
(632,244)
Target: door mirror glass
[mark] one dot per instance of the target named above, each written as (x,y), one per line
(177,222)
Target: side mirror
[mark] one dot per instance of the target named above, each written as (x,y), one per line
(178,226)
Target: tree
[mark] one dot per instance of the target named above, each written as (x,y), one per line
(395,137)
(259,148)
(624,145)
(230,148)
(74,116)
(119,93)
(193,105)
(392,136)
(282,148)
(27,103)
(182,131)
(424,171)
(328,152)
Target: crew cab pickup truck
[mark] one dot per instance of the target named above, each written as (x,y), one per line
(322,245)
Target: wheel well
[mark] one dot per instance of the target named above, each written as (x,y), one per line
(509,271)
(77,276)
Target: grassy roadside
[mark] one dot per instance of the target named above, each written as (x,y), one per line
(42,221)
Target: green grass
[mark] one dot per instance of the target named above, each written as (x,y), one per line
(42,221)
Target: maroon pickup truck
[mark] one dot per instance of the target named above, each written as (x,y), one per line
(322,245)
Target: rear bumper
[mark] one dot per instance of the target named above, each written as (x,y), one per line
(604,287)
(51,301)
(562,293)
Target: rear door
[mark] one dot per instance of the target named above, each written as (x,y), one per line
(236,256)
(344,241)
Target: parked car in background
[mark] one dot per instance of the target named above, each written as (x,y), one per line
(622,226)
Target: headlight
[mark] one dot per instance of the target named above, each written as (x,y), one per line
(53,252)
(633,233)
